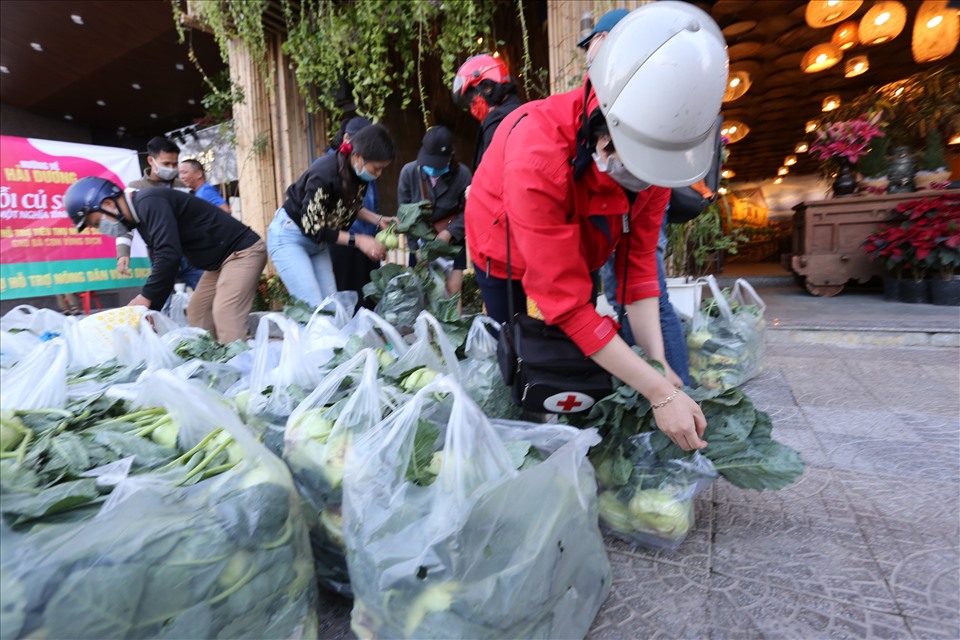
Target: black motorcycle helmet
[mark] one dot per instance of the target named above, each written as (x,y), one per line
(86,195)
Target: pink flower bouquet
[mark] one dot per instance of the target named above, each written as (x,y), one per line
(848,139)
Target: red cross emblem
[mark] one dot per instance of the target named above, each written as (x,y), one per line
(568,402)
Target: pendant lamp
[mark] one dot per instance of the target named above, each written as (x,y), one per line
(883,22)
(855,66)
(790,160)
(820,57)
(846,35)
(734,130)
(830,103)
(811,126)
(737,84)
(823,13)
(802,147)
(936,31)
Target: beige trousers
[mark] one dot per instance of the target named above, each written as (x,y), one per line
(223,299)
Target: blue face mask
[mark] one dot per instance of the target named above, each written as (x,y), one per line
(363,174)
(435,173)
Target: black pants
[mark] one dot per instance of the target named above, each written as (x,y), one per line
(351,268)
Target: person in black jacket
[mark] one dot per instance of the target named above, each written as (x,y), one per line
(437,176)
(174,225)
(484,85)
(319,209)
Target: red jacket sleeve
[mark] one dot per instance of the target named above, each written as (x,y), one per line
(646,220)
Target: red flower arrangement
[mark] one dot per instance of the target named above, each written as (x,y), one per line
(922,236)
(848,139)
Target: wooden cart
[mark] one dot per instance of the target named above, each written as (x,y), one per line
(828,239)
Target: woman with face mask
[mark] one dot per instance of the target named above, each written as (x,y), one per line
(319,210)
(568,181)
(437,176)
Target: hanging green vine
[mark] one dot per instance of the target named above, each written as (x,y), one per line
(229,20)
(378,46)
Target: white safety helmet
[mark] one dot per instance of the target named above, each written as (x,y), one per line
(659,77)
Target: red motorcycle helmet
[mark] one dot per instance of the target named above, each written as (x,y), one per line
(474,71)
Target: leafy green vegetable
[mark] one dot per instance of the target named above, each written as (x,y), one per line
(740,446)
(204,347)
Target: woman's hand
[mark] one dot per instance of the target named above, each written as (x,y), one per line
(386,221)
(370,247)
(671,376)
(682,421)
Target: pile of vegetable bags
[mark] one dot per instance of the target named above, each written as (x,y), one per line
(456,529)
(725,342)
(161,518)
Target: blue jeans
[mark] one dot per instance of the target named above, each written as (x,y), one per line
(674,341)
(304,266)
(189,274)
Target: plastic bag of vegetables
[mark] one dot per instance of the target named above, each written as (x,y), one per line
(480,373)
(196,532)
(654,507)
(37,381)
(280,378)
(402,301)
(430,350)
(349,401)
(25,317)
(469,545)
(726,338)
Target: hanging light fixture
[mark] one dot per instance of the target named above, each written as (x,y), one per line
(845,37)
(856,66)
(782,171)
(883,22)
(936,31)
(728,173)
(820,57)
(734,130)
(811,126)
(737,84)
(830,103)
(823,13)
(778,180)
(789,161)
(802,147)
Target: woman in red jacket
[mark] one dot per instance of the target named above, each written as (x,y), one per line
(569,174)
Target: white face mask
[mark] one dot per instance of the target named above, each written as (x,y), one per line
(166,173)
(619,174)
(110,227)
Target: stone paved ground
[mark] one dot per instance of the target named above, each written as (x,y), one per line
(865,545)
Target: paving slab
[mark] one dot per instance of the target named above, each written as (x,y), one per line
(865,545)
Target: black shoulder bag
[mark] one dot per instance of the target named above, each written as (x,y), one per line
(546,370)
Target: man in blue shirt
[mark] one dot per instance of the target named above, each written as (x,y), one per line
(193,175)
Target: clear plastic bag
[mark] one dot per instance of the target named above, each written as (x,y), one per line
(277,386)
(374,332)
(655,508)
(15,346)
(176,308)
(485,550)
(726,339)
(480,372)
(37,321)
(430,348)
(348,402)
(165,556)
(38,381)
(402,301)
(324,329)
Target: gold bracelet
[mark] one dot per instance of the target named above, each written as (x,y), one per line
(668,400)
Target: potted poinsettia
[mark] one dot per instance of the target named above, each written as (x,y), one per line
(922,237)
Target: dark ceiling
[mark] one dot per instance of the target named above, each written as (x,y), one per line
(119,44)
(125,42)
(768,38)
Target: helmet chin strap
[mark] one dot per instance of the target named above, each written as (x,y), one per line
(119,217)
